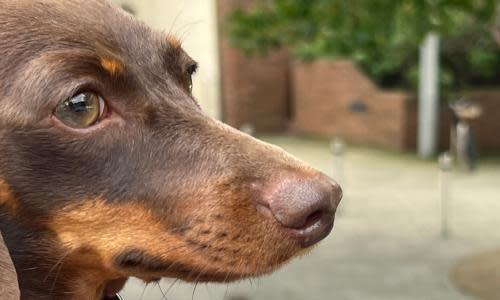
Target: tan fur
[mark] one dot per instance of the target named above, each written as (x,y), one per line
(115,227)
(7,199)
(112,65)
(174,41)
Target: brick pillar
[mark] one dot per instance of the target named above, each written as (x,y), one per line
(254,89)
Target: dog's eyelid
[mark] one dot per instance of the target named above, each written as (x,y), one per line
(192,68)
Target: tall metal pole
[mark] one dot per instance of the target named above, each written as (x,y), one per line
(428,106)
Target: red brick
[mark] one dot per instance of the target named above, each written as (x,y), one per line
(254,89)
(324,92)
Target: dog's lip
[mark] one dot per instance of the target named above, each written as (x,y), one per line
(184,272)
(112,287)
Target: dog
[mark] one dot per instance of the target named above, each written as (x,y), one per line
(109,168)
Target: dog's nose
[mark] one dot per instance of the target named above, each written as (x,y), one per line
(304,206)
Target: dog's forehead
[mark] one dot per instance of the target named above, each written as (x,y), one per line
(85,23)
(42,36)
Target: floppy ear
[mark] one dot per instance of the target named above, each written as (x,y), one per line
(9,288)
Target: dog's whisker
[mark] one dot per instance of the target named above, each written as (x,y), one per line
(194,290)
(207,288)
(186,28)
(143,291)
(57,264)
(171,285)
(172,26)
(61,262)
(164,296)
(226,292)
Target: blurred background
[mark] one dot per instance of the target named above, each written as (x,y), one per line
(398,100)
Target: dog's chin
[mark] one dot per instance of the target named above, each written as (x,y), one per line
(199,275)
(113,287)
(138,264)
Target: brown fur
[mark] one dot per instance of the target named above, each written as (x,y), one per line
(157,189)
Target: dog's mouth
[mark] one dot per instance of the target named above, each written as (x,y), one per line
(138,263)
(112,288)
(150,268)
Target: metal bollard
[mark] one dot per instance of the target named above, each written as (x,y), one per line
(337,148)
(445,168)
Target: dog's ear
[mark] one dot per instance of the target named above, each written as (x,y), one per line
(9,287)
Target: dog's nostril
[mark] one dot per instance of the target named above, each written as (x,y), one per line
(314,218)
(305,206)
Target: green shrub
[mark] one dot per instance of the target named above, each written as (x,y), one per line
(381,36)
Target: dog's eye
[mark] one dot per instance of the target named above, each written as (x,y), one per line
(189,76)
(190,83)
(81,111)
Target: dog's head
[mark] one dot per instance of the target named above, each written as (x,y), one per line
(109,169)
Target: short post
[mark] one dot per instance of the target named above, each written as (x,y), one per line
(445,168)
(337,147)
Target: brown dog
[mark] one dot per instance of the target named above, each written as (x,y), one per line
(109,169)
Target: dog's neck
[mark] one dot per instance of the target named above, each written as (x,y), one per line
(45,273)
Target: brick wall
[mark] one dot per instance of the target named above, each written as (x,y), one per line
(254,89)
(333,98)
(330,98)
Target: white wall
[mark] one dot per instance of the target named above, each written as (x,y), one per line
(195,23)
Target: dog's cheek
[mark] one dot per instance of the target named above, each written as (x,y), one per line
(225,226)
(97,231)
(106,229)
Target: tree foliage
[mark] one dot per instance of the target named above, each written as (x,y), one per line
(382,36)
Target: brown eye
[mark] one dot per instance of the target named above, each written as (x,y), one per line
(81,111)
(189,76)
(190,83)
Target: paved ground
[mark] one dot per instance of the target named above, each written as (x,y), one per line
(479,275)
(386,243)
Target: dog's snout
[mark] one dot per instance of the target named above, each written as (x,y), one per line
(305,206)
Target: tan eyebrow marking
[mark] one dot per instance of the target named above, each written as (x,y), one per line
(112,65)
(174,41)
